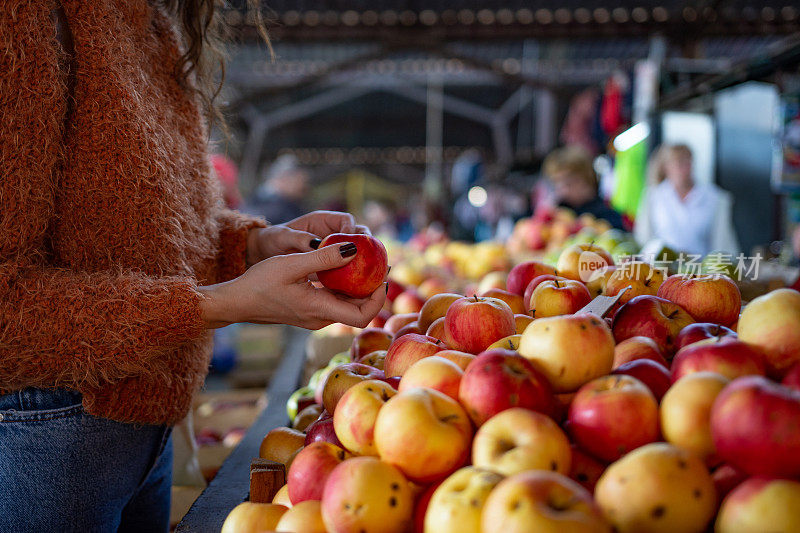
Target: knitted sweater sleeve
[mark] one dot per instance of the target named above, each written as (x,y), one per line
(234,227)
(59,326)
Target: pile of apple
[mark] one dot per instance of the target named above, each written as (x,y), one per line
(511,412)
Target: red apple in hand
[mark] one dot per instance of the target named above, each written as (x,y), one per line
(711,298)
(727,356)
(472,324)
(553,298)
(364,274)
(636,348)
(613,415)
(407,350)
(523,273)
(500,379)
(754,424)
(701,331)
(654,317)
(654,375)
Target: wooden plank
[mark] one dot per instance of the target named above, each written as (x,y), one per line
(266,478)
(231,485)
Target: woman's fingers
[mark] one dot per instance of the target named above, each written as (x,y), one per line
(300,266)
(356,313)
(296,240)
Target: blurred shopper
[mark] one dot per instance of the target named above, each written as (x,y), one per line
(687,216)
(280,198)
(575,183)
(117,257)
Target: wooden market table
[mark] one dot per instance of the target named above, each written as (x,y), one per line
(231,485)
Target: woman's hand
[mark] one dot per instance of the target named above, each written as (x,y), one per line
(302,234)
(278,291)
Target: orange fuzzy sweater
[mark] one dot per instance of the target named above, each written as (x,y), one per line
(107,228)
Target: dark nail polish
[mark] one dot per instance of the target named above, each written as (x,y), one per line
(315,243)
(346,250)
(387,287)
(388,270)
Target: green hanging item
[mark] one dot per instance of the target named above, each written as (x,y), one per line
(630,170)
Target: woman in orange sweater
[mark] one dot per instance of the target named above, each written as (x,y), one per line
(117,258)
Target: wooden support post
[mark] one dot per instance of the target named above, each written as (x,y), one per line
(266,478)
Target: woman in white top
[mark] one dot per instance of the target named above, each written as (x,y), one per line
(686,216)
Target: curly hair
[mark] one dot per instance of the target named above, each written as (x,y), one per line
(204,36)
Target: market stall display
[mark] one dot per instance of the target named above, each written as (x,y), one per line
(465,418)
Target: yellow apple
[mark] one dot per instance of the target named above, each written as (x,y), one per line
(424,433)
(462,359)
(685,412)
(435,307)
(282,497)
(354,419)
(641,277)
(522,321)
(772,322)
(542,502)
(570,350)
(579,260)
(509,343)
(761,504)
(281,445)
(517,439)
(249,517)
(456,505)
(366,494)
(305,517)
(435,373)
(657,488)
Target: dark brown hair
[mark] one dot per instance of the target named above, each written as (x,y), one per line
(204,36)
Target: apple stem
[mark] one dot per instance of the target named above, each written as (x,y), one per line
(475,296)
(533,313)
(557,285)
(510,345)
(672,314)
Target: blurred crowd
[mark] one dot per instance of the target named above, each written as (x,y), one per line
(674,208)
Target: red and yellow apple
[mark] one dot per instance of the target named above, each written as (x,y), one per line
(407,350)
(517,439)
(281,444)
(711,298)
(507,343)
(342,378)
(521,322)
(369,340)
(522,274)
(613,415)
(700,331)
(654,317)
(761,504)
(435,373)
(541,501)
(305,517)
(513,299)
(553,298)
(364,273)
(396,322)
(638,347)
(366,494)
(727,356)
(642,278)
(579,261)
(456,505)
(685,412)
(354,419)
(569,350)
(435,307)
(754,425)
(499,379)
(472,324)
(772,322)
(657,488)
(462,359)
(424,433)
(526,296)
(310,469)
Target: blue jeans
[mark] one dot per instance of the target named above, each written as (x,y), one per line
(64,470)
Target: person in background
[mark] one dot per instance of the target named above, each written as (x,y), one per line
(687,216)
(280,197)
(575,183)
